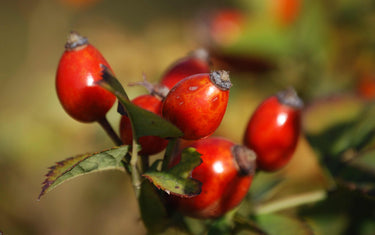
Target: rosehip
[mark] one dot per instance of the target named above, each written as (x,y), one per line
(196,62)
(226,173)
(79,68)
(366,86)
(226,26)
(150,144)
(286,11)
(196,105)
(273,130)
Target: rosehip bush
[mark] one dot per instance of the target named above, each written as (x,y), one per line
(199,183)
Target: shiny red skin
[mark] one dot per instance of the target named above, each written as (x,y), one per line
(223,188)
(183,68)
(150,144)
(273,141)
(196,106)
(77,71)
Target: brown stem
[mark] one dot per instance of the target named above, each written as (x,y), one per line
(109,130)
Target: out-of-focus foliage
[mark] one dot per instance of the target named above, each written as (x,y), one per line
(323,48)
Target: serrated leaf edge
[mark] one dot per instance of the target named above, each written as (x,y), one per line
(47,183)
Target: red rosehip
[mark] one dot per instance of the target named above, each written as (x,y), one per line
(226,26)
(286,11)
(196,105)
(196,62)
(273,130)
(366,86)
(150,144)
(79,68)
(226,173)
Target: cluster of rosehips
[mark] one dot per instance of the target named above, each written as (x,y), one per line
(195,102)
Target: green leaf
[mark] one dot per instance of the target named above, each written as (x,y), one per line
(171,148)
(327,120)
(332,216)
(193,225)
(359,134)
(345,149)
(356,133)
(83,164)
(153,212)
(144,123)
(342,145)
(365,161)
(359,173)
(264,186)
(176,180)
(343,212)
(322,142)
(262,38)
(326,223)
(274,224)
(174,184)
(189,160)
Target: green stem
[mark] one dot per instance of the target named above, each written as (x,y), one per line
(136,177)
(290,202)
(109,130)
(169,152)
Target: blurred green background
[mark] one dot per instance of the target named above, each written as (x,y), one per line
(323,51)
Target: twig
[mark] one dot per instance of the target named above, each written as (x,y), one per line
(136,178)
(109,130)
(290,202)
